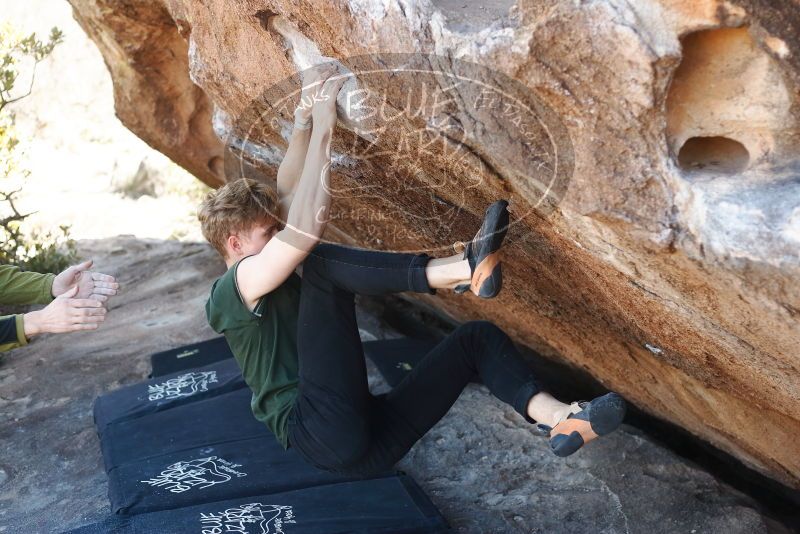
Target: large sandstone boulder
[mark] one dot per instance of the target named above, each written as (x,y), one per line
(656,203)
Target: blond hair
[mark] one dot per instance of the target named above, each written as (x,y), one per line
(234,207)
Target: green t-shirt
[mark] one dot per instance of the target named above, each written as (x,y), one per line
(264,343)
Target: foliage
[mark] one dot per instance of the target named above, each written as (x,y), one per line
(14,51)
(48,252)
(39,251)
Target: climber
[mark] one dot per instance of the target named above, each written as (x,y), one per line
(296,338)
(75,301)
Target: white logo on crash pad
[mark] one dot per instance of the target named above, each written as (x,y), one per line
(182,386)
(253,518)
(199,474)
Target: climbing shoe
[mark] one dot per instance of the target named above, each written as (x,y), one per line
(599,417)
(483,254)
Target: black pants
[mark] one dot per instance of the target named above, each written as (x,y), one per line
(336,424)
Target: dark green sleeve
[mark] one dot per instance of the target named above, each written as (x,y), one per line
(18,287)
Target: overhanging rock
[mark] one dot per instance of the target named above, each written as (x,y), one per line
(666,266)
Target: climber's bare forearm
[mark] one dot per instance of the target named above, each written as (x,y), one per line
(308,214)
(291,168)
(259,274)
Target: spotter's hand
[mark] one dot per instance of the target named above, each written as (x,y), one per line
(91,285)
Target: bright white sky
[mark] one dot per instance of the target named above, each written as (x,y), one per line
(77,149)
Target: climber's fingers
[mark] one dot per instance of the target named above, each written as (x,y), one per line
(314,77)
(319,73)
(333,84)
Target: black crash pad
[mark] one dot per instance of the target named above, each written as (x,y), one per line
(168,391)
(190,356)
(207,454)
(211,449)
(210,473)
(226,417)
(388,505)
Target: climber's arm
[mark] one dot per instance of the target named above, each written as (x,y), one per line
(292,165)
(305,223)
(308,214)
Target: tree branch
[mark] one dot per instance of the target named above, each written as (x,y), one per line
(17,216)
(4,102)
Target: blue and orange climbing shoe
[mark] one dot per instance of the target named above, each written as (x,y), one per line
(597,418)
(483,253)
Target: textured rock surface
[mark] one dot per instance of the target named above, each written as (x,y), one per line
(669,269)
(481,464)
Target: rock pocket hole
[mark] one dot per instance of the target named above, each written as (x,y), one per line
(265,18)
(184,28)
(727,102)
(713,153)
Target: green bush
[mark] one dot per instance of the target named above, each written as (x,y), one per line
(41,252)
(48,251)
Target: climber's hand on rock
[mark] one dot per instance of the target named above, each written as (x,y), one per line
(324,110)
(90,285)
(313,79)
(65,314)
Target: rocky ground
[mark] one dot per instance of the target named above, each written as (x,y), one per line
(481,465)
